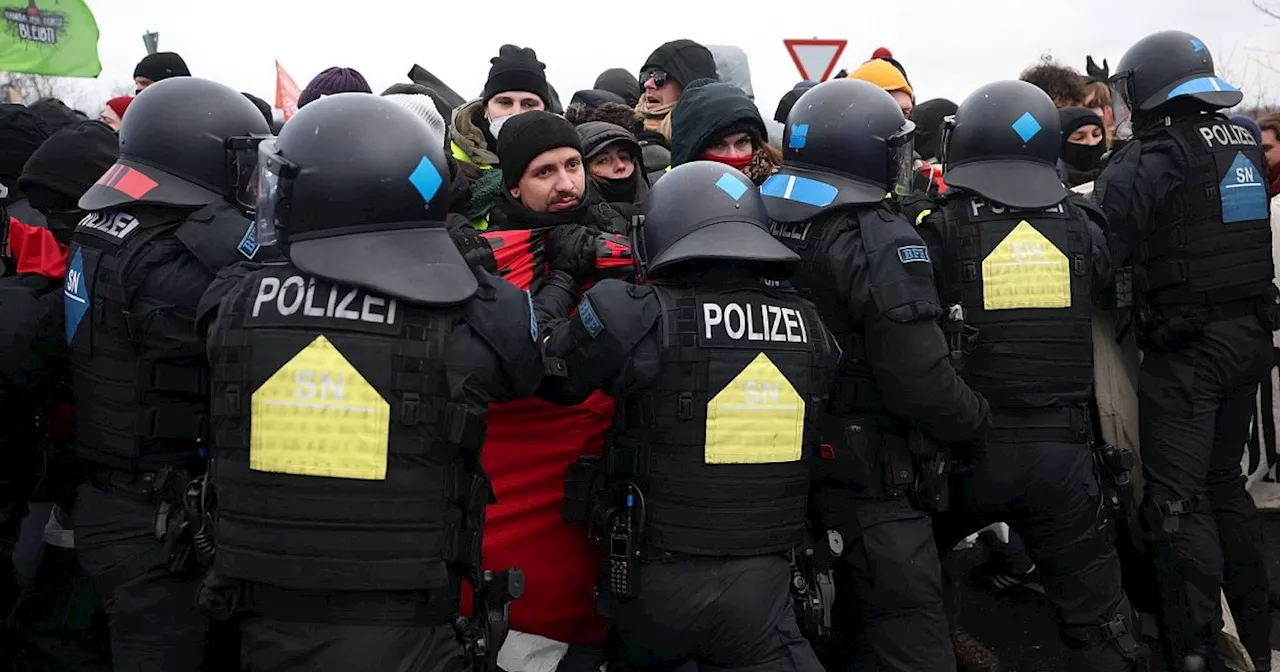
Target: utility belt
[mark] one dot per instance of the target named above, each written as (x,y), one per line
(183,520)
(1168,327)
(882,461)
(960,335)
(1063,424)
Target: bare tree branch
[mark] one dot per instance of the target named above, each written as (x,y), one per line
(1273,12)
(23,88)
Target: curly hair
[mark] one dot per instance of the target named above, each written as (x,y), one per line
(1064,84)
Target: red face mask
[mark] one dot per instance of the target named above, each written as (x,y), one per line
(738,163)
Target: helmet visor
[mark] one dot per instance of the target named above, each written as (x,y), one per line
(1120,109)
(242,170)
(902,163)
(273,182)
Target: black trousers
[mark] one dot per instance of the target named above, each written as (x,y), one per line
(269,645)
(889,613)
(1195,405)
(722,613)
(151,612)
(1050,493)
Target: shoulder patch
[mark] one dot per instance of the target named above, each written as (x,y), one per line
(249,242)
(908,254)
(587,313)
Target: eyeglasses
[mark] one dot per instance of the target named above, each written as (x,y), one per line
(659,78)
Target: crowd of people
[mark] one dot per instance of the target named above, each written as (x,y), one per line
(647,381)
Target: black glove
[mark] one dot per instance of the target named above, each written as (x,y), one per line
(572,248)
(474,248)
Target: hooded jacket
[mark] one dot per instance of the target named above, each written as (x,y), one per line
(596,136)
(703,112)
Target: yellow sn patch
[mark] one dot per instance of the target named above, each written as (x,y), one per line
(756,419)
(1026,270)
(317,416)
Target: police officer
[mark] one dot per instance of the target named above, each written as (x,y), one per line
(896,396)
(350,384)
(162,221)
(1187,201)
(1023,267)
(718,381)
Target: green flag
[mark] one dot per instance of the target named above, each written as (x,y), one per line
(49,37)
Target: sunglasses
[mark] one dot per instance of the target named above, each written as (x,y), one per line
(659,78)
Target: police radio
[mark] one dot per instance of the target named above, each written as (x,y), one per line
(621,539)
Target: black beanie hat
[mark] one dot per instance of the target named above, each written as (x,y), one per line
(72,159)
(620,82)
(161,65)
(683,61)
(529,134)
(517,69)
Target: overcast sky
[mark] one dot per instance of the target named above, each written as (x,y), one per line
(948,47)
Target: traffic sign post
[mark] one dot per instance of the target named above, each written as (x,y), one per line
(815,59)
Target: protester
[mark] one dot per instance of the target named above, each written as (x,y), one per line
(613,155)
(888,76)
(333,80)
(1083,144)
(620,82)
(714,121)
(1270,139)
(1063,84)
(665,74)
(113,112)
(158,67)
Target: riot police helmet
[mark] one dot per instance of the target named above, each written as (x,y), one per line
(1003,143)
(845,142)
(356,189)
(186,142)
(704,211)
(1164,67)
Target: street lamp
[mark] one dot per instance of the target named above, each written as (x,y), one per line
(151,41)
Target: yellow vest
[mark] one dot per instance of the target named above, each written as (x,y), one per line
(460,154)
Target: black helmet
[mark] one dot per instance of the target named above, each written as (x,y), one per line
(705,210)
(1003,143)
(357,187)
(846,141)
(1162,67)
(187,142)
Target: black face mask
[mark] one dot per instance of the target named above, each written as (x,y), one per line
(63,224)
(1084,157)
(617,191)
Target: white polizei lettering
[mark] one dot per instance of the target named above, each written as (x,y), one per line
(977,204)
(290,307)
(729,311)
(367,315)
(755,322)
(268,288)
(117,224)
(333,298)
(752,334)
(391,312)
(712,314)
(307,308)
(345,313)
(1227,135)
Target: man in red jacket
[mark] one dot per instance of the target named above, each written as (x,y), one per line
(530,441)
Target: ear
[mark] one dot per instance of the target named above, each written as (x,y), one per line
(515,193)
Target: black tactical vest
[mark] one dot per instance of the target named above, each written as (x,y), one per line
(342,461)
(1023,278)
(854,390)
(721,444)
(134,409)
(1210,242)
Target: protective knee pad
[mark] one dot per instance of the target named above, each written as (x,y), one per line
(1110,646)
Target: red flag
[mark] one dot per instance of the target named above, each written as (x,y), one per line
(287,92)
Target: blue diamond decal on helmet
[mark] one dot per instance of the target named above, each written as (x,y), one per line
(1026,127)
(426,179)
(732,186)
(1197,44)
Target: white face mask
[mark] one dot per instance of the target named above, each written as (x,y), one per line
(495,125)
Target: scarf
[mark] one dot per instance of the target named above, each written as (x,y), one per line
(657,120)
(471,138)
